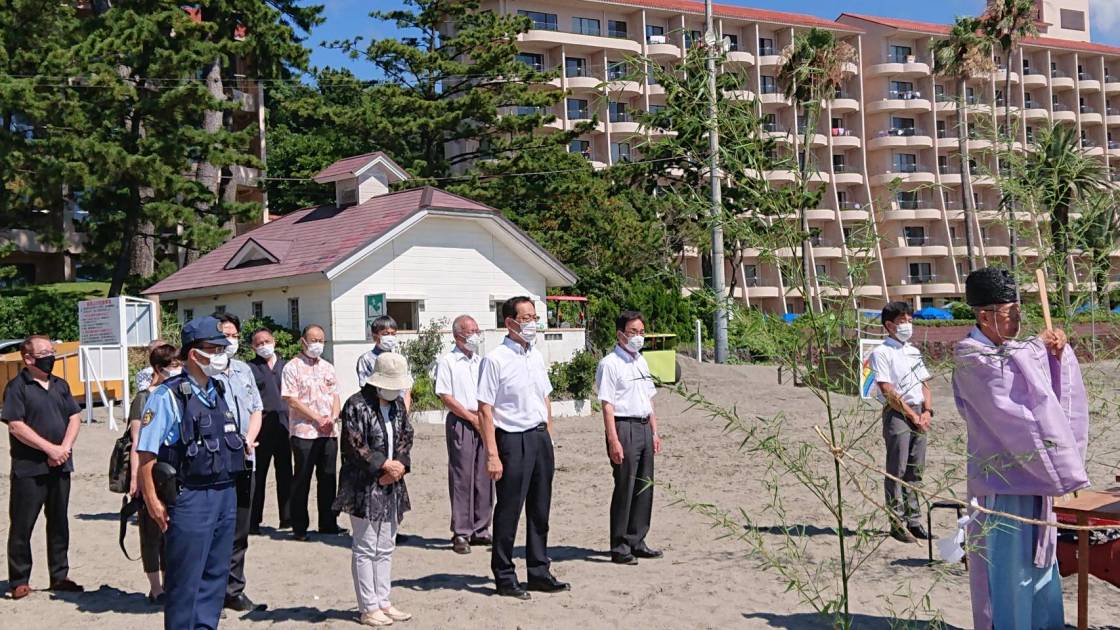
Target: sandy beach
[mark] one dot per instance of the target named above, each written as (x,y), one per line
(704,580)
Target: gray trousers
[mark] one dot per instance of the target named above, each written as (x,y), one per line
(472,492)
(632,499)
(906,459)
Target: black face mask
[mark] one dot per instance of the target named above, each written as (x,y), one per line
(45,364)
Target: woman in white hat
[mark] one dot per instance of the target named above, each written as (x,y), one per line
(376,446)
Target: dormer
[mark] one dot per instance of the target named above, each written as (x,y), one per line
(360,178)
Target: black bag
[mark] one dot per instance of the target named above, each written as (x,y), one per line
(120,470)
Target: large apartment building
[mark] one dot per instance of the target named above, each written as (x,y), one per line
(886,144)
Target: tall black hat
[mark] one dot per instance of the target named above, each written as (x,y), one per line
(990,285)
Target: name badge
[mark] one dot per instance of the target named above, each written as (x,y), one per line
(231,427)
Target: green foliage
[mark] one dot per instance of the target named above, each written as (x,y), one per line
(423,352)
(424,394)
(287,339)
(658,297)
(959,310)
(50,309)
(574,379)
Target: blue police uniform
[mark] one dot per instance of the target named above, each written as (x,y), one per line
(195,431)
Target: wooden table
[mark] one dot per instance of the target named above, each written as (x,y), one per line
(1088,504)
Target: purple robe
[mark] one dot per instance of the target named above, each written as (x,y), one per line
(1027,416)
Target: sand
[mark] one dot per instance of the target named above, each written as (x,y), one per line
(704,580)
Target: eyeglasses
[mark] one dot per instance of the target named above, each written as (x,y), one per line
(523,320)
(1013,312)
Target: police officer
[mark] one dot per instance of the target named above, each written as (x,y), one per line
(188,426)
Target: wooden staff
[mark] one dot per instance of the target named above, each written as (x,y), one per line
(1041,277)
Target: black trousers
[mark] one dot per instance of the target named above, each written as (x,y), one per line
(632,500)
(49,493)
(316,456)
(273,447)
(246,483)
(527,469)
(152,554)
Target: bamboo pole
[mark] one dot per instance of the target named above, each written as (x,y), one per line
(1040,276)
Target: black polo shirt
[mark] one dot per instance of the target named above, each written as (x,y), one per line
(268,384)
(46,411)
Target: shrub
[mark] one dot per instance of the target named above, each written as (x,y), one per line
(424,394)
(287,340)
(574,379)
(423,352)
(959,310)
(40,313)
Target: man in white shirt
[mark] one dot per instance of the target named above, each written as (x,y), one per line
(516,414)
(626,390)
(470,487)
(901,376)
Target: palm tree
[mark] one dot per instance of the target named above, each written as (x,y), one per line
(965,53)
(1058,174)
(812,69)
(1098,235)
(1008,22)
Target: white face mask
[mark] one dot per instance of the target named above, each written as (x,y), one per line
(388,343)
(169,372)
(903,332)
(528,331)
(473,342)
(219,361)
(388,394)
(635,343)
(232,348)
(266,351)
(314,350)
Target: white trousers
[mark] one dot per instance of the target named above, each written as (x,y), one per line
(371,561)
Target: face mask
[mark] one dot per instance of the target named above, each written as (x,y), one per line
(473,342)
(528,331)
(266,351)
(388,343)
(388,394)
(45,364)
(314,350)
(219,361)
(231,349)
(170,372)
(635,343)
(904,331)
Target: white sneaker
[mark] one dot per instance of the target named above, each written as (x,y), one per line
(396,615)
(375,618)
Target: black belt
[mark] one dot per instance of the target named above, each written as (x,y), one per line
(643,420)
(540,427)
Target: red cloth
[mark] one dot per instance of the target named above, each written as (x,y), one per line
(1104,560)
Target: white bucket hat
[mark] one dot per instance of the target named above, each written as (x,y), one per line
(391,372)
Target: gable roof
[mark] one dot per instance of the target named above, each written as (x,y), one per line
(931,28)
(356,165)
(313,241)
(744,13)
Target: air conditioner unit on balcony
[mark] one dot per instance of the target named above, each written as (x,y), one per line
(657,39)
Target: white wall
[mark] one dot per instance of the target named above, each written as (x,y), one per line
(314,304)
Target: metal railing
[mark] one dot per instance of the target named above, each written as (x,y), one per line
(916,241)
(855,205)
(773,127)
(902,132)
(1058,74)
(905,95)
(766,51)
(908,168)
(1088,109)
(1085,76)
(1061,107)
(920,279)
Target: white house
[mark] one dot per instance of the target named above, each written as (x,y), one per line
(432,254)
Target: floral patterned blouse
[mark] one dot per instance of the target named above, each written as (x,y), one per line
(365,451)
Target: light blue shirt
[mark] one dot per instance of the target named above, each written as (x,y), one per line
(242,396)
(159,424)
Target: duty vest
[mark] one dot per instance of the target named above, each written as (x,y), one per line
(210,451)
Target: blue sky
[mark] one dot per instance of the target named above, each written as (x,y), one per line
(348,18)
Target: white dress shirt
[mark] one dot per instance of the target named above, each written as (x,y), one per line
(515,382)
(902,366)
(457,376)
(624,381)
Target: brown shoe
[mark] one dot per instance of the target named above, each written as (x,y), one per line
(460,544)
(66,585)
(20,591)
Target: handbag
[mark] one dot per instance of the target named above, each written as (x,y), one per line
(120,470)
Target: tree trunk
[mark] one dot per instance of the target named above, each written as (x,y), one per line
(142,259)
(803,168)
(207,173)
(967,202)
(1014,247)
(1059,232)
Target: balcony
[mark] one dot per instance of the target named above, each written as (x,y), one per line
(1063,113)
(846,174)
(1033,79)
(583,77)
(912,285)
(1060,81)
(899,102)
(659,47)
(740,57)
(820,214)
(1087,83)
(548,35)
(1111,84)
(1033,112)
(844,138)
(898,66)
(907,246)
(1001,76)
(769,56)
(843,104)
(1090,116)
(622,124)
(739,95)
(901,137)
(912,210)
(905,174)
(945,102)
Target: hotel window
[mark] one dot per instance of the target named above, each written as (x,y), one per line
(902,89)
(575,67)
(732,42)
(822,271)
(616,28)
(655,34)
(765,46)
(542,21)
(1073,20)
(580,147)
(838,163)
(769,84)
(693,38)
(907,199)
(618,112)
(620,152)
(616,70)
(585,26)
(293,314)
(533,60)
(577,109)
(900,54)
(915,235)
(902,126)
(943,164)
(750,275)
(921,272)
(961,270)
(257,309)
(941,133)
(906,163)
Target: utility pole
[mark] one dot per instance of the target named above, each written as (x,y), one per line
(712,42)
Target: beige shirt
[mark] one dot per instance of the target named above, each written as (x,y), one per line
(315,384)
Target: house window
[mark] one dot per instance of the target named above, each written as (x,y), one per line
(842,197)
(943,164)
(406,312)
(577,109)
(188,314)
(838,163)
(616,28)
(617,112)
(902,126)
(580,147)
(585,26)
(655,34)
(900,54)
(732,42)
(575,67)
(616,70)
(822,271)
(692,39)
(906,163)
(221,308)
(1073,20)
(907,199)
(769,84)
(961,270)
(765,46)
(902,89)
(915,235)
(257,309)
(941,131)
(921,272)
(750,275)
(542,21)
(620,152)
(533,60)
(293,314)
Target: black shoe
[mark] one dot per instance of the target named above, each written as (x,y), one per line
(919,532)
(284,525)
(158,599)
(619,558)
(242,603)
(300,537)
(514,591)
(254,531)
(484,541)
(901,535)
(646,552)
(551,585)
(460,544)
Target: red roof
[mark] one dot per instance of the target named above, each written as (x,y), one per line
(312,240)
(943,29)
(353,164)
(745,13)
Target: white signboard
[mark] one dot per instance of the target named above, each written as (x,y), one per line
(102,363)
(99,322)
